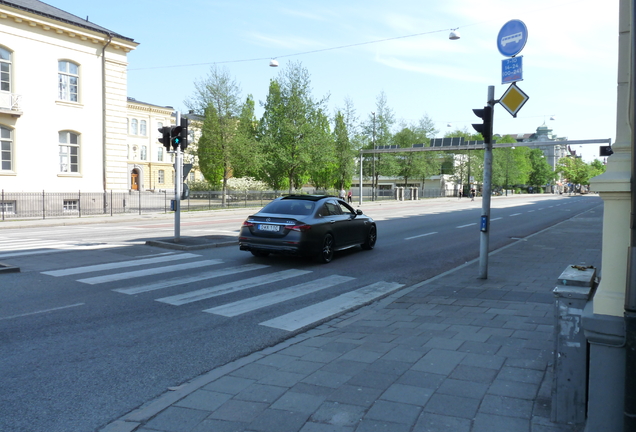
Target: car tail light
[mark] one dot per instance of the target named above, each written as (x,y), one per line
(300,228)
(248,224)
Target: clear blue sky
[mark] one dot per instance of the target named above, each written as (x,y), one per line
(570,59)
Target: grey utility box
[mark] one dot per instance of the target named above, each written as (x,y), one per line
(569,387)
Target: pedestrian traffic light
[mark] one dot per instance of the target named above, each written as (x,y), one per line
(175,137)
(184,133)
(165,137)
(485,128)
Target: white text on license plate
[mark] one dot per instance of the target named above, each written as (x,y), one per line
(264,227)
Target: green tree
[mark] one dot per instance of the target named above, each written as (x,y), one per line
(247,155)
(292,130)
(217,99)
(377,131)
(541,172)
(578,172)
(420,165)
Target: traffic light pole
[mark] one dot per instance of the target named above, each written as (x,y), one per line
(484,238)
(178,166)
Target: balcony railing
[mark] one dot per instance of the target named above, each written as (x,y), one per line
(10,101)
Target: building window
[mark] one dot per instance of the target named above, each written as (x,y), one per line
(7,207)
(142,128)
(144,153)
(6,149)
(68,80)
(5,70)
(69,152)
(70,205)
(160,154)
(161,176)
(192,176)
(133,127)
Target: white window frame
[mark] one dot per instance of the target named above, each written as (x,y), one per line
(5,69)
(142,128)
(68,81)
(7,207)
(161,176)
(70,205)
(134,126)
(160,154)
(143,153)
(69,152)
(6,149)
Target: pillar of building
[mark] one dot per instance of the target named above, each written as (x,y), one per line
(603,316)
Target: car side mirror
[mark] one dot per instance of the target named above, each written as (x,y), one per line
(358,211)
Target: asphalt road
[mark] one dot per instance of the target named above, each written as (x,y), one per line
(79,348)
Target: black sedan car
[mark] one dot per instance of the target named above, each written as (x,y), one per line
(309,225)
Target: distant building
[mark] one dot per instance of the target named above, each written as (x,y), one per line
(552,152)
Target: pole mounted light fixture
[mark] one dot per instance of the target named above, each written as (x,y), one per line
(454,34)
(273,63)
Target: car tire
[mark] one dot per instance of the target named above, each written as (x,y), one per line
(326,252)
(259,254)
(369,243)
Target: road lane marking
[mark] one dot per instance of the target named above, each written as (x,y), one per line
(150,271)
(515,214)
(421,235)
(42,311)
(323,310)
(464,226)
(275,297)
(186,280)
(121,264)
(231,287)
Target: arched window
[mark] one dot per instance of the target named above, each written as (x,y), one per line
(5,70)
(68,81)
(142,128)
(6,149)
(133,127)
(69,143)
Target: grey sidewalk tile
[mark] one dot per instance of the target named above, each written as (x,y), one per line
(338,414)
(301,367)
(474,374)
(177,419)
(434,326)
(339,347)
(321,356)
(542,407)
(379,338)
(439,361)
(407,354)
(283,379)
(407,394)
(493,423)
(389,367)
(326,379)
(469,389)
(476,347)
(393,412)
(521,375)
(444,344)
(460,406)
(229,384)
(212,425)
(298,350)
(507,406)
(485,361)
(518,352)
(514,389)
(429,422)
(254,371)
(373,379)
(273,420)
(316,342)
(369,425)
(261,393)
(298,402)
(536,364)
(204,400)
(239,411)
(362,355)
(312,389)
(496,331)
(378,347)
(319,427)
(471,336)
(356,395)
(421,379)
(343,366)
(276,360)
(540,424)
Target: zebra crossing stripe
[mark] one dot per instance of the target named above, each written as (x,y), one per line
(231,287)
(116,265)
(185,280)
(264,300)
(146,272)
(303,317)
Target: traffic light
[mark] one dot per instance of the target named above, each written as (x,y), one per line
(485,128)
(165,136)
(184,133)
(175,137)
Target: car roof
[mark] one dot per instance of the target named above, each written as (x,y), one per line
(307,197)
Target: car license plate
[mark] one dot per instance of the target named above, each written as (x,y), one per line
(264,227)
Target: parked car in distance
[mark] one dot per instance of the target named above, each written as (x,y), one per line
(308,225)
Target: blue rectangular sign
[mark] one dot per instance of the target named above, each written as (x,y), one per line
(512,70)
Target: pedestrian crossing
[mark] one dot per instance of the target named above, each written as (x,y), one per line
(213,274)
(32,246)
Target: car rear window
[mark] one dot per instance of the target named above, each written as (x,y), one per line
(289,207)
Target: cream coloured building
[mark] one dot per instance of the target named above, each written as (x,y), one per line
(63,104)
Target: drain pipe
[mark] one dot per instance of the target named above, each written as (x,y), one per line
(110,38)
(629,413)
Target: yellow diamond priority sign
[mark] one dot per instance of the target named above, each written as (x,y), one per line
(513,99)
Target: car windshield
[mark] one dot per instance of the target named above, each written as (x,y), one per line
(290,207)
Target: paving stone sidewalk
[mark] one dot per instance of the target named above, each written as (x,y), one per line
(455,353)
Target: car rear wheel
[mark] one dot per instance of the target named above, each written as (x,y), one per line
(259,254)
(369,243)
(326,253)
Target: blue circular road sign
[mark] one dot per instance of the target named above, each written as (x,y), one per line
(512,38)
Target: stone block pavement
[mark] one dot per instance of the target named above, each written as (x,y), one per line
(454,353)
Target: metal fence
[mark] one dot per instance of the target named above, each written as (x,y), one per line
(43,205)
